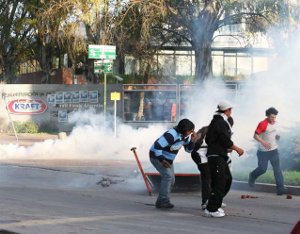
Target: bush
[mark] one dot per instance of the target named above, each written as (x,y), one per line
(24,127)
(48,127)
(290,177)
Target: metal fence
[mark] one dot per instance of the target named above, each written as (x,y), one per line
(157,103)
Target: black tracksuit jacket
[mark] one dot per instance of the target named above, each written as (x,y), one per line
(218,137)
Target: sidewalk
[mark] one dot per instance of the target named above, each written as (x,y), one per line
(25,139)
(262,187)
(191,183)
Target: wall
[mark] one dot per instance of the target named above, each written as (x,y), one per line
(52,103)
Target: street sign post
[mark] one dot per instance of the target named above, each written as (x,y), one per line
(104,65)
(115,96)
(106,53)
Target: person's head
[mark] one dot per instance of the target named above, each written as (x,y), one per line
(185,127)
(230,121)
(271,114)
(225,107)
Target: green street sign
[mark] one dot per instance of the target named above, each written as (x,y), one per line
(101,52)
(105,66)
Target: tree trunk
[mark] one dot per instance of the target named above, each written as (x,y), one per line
(202,30)
(203,61)
(9,75)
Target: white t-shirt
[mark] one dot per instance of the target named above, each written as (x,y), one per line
(268,133)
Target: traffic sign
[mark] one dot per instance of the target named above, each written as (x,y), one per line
(115,96)
(105,66)
(102,52)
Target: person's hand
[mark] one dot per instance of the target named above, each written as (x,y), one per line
(195,137)
(266,145)
(277,137)
(165,164)
(240,151)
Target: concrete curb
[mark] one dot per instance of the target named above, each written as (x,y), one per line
(192,182)
(261,187)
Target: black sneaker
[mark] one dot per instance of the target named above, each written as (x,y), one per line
(167,205)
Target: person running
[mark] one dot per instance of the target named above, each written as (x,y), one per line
(218,139)
(163,152)
(266,135)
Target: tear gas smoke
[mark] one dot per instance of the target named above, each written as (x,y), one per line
(93,137)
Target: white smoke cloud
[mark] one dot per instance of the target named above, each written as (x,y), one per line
(93,136)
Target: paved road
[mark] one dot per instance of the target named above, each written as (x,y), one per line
(61,197)
(66,196)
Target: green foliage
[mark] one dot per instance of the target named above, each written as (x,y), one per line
(40,30)
(32,127)
(48,127)
(24,127)
(290,177)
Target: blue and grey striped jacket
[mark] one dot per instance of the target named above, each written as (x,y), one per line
(168,145)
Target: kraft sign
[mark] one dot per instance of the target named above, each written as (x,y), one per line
(27,106)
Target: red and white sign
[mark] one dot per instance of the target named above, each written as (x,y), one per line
(27,106)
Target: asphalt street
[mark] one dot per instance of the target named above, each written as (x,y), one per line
(71,197)
(40,196)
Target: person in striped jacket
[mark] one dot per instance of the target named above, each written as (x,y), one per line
(163,152)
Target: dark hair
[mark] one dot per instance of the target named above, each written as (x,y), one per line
(185,125)
(230,121)
(271,111)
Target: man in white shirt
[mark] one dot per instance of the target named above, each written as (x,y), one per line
(266,135)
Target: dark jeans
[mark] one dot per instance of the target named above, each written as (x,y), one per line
(205,181)
(263,159)
(221,180)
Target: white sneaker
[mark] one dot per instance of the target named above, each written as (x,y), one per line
(203,206)
(221,210)
(216,214)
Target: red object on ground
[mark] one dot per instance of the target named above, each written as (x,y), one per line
(296,229)
(133,149)
(247,196)
(289,196)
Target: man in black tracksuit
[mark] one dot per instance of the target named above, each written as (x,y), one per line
(219,141)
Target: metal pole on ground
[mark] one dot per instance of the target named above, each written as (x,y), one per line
(133,149)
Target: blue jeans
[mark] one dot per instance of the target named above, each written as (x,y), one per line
(167,181)
(263,159)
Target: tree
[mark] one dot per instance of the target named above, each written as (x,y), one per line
(16,33)
(74,24)
(134,34)
(197,21)
(287,26)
